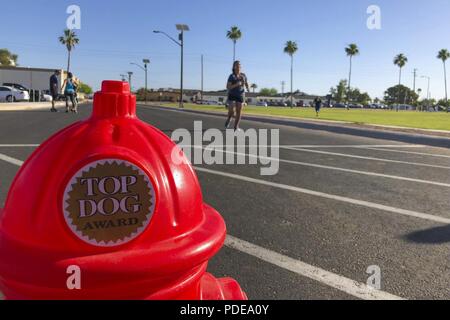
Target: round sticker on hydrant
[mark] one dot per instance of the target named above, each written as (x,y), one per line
(109,202)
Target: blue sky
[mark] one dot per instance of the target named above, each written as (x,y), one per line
(114,33)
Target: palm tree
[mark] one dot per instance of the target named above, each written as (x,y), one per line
(234,34)
(351,50)
(254,87)
(444,55)
(400,61)
(291,48)
(69,39)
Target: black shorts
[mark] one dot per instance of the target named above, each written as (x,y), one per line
(54,94)
(239,99)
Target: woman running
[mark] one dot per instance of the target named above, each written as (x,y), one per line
(236,85)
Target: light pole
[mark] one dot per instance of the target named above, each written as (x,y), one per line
(123,77)
(181,28)
(145,68)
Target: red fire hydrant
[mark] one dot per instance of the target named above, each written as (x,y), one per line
(104,197)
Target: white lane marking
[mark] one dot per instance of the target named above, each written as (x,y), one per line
(366,158)
(282,145)
(355,146)
(18,145)
(349,286)
(409,152)
(410,213)
(8,159)
(307,164)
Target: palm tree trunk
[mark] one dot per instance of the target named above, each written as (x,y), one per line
(234,51)
(350,74)
(68,62)
(399,84)
(292,77)
(445,80)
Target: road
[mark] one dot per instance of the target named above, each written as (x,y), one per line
(340,204)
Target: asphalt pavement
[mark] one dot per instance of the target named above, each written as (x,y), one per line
(342,204)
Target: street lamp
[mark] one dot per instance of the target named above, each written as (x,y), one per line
(181,28)
(146,62)
(123,77)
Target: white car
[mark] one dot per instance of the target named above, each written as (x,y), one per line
(46,97)
(10,94)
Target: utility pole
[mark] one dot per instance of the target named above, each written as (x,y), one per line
(201,94)
(414,83)
(129,78)
(283,83)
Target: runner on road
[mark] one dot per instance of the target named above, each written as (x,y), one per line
(317,105)
(236,85)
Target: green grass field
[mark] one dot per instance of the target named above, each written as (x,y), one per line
(410,119)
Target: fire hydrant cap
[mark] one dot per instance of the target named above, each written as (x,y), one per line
(105,195)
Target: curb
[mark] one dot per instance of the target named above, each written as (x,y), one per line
(33,106)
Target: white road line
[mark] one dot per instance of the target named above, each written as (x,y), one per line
(281,145)
(410,213)
(366,158)
(349,286)
(313,165)
(355,146)
(410,152)
(18,145)
(14,161)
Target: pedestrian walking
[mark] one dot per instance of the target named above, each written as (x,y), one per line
(54,89)
(69,88)
(236,85)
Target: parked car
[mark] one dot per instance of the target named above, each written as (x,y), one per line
(46,97)
(340,105)
(404,107)
(355,106)
(261,104)
(59,97)
(282,104)
(16,86)
(10,94)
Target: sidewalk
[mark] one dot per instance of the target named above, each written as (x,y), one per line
(27,106)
